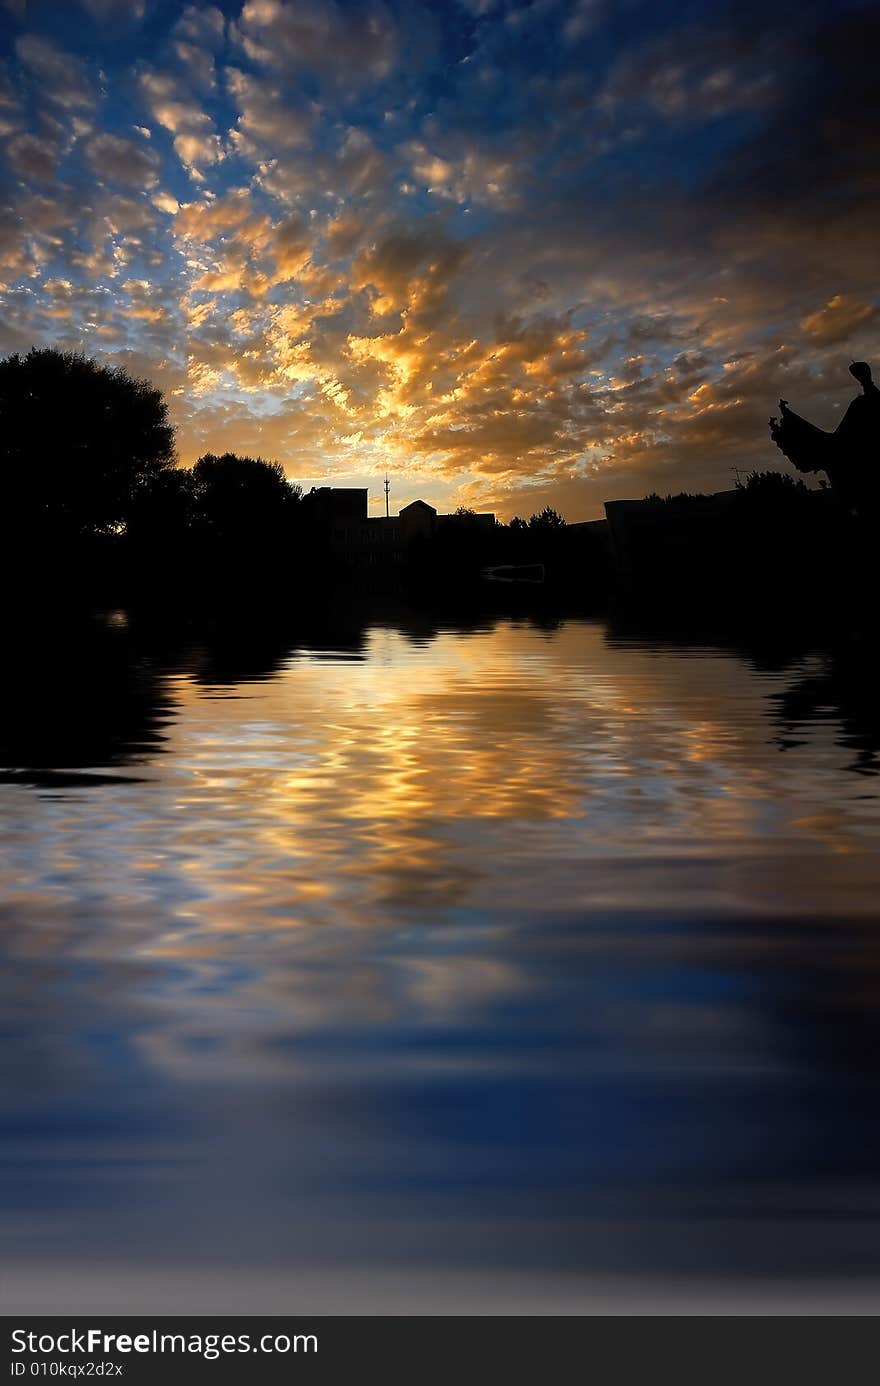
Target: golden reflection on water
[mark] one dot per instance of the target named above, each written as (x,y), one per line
(616,894)
(486,777)
(434,777)
(513,766)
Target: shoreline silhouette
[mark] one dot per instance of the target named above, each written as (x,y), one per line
(100,511)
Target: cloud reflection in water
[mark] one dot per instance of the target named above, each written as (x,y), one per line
(487,947)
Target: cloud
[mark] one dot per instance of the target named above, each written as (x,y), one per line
(15,258)
(584,17)
(346,46)
(202,24)
(198,36)
(343,234)
(349,166)
(31,157)
(165,202)
(198,64)
(702,70)
(133,10)
(293,241)
(62,76)
(268,123)
(11,112)
(841,318)
(474,175)
(173,106)
(127,162)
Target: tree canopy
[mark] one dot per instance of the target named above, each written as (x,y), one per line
(78,441)
(238,497)
(548,518)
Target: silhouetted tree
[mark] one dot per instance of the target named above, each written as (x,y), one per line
(163,512)
(234,493)
(678,498)
(245,510)
(78,442)
(771,485)
(547,519)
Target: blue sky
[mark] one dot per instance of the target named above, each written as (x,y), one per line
(515,253)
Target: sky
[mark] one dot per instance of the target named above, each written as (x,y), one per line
(513,253)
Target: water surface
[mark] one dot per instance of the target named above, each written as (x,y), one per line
(406,944)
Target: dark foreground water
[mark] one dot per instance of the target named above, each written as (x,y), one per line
(421,955)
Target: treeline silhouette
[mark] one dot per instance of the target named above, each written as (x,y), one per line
(771,544)
(96,502)
(95,497)
(97,506)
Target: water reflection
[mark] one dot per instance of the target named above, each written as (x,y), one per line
(841,689)
(79,701)
(436,941)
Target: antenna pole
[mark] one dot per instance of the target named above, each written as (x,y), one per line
(387,491)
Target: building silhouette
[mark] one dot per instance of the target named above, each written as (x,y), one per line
(340,515)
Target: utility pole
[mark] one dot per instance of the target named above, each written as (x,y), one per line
(387,492)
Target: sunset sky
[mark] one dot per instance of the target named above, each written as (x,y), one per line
(517,253)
